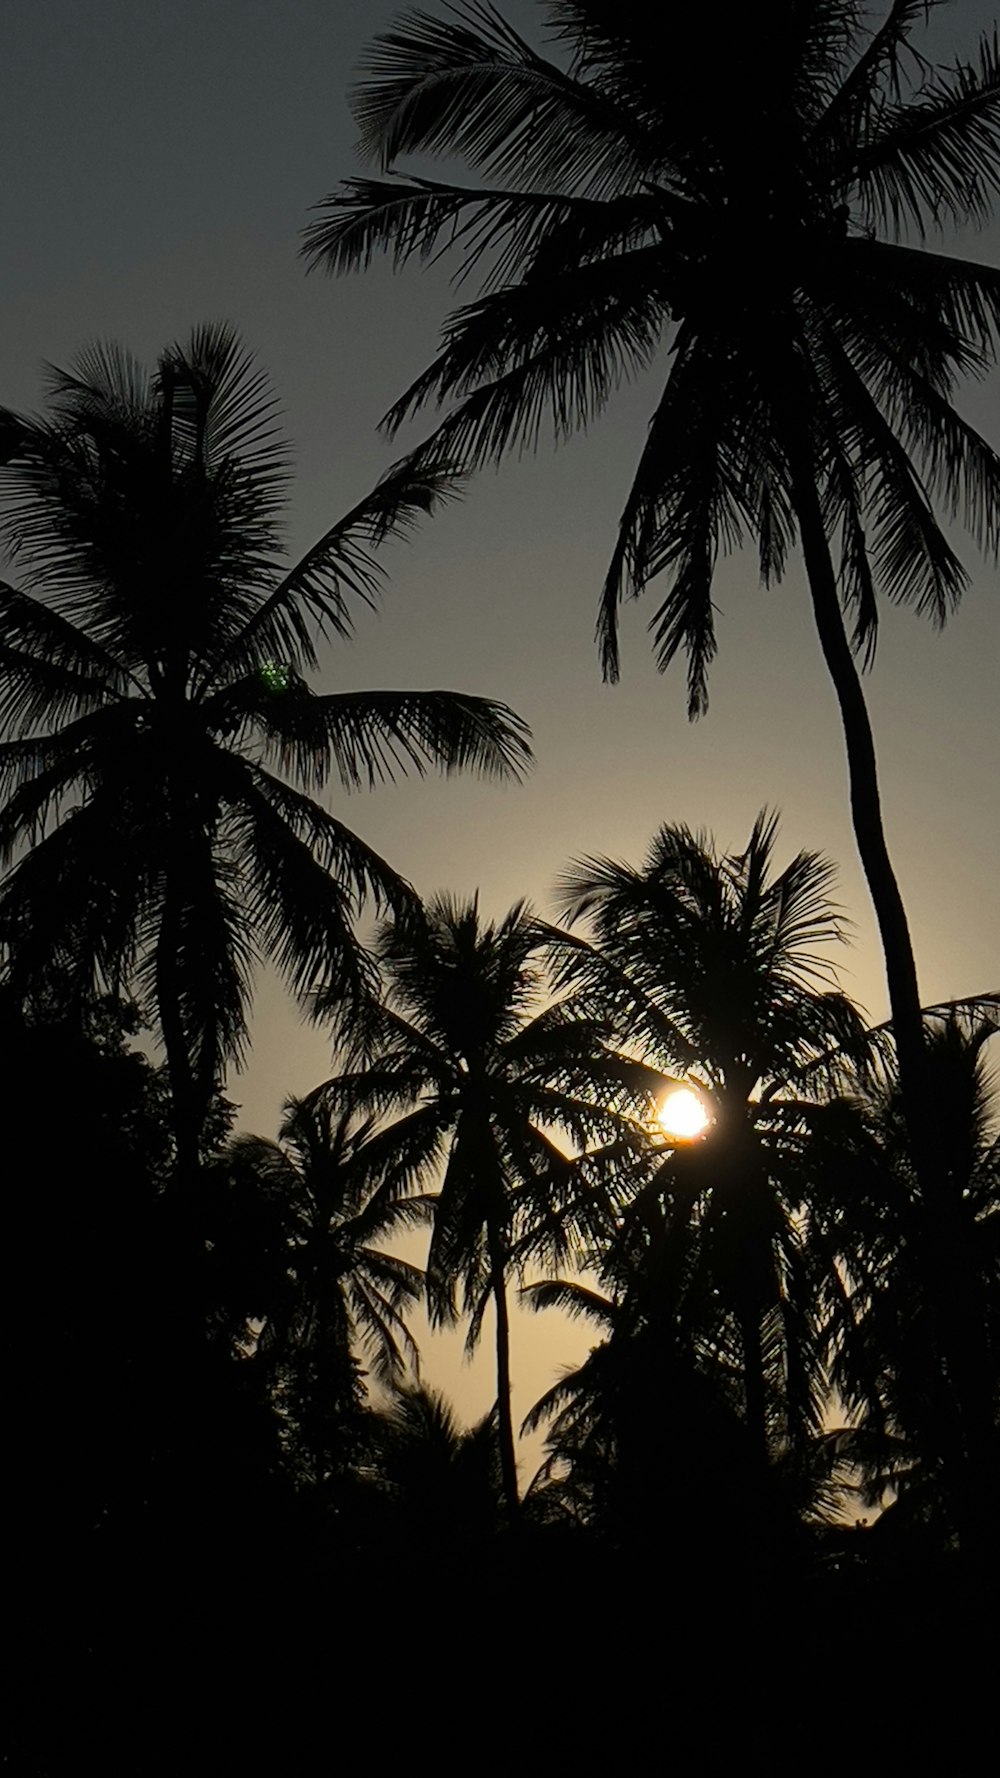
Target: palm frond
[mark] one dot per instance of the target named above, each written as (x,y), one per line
(843,511)
(857,96)
(221,406)
(73,906)
(574,1299)
(911,559)
(105,382)
(361,873)
(499,233)
(936,157)
(373,737)
(34,691)
(469,83)
(963,295)
(338,572)
(384,1335)
(288,850)
(39,773)
(213,961)
(28,627)
(538,350)
(688,501)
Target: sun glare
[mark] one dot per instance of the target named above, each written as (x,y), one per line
(682,1114)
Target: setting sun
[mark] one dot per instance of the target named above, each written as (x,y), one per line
(682,1114)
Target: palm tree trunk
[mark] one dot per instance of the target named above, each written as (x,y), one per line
(505,1425)
(189,1408)
(187,1115)
(968,1478)
(866,807)
(754,1390)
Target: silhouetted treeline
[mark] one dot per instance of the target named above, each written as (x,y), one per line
(218,1425)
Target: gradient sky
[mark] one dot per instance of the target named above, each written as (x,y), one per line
(160,160)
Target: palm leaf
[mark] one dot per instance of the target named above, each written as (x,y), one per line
(558,356)
(498,232)
(373,737)
(684,502)
(573,1299)
(301,912)
(222,408)
(338,571)
(935,158)
(470,83)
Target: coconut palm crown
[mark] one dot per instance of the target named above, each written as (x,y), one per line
(476,1079)
(158,809)
(741,213)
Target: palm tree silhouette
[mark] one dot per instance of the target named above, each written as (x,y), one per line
(444,1480)
(923,1370)
(328,1290)
(714,966)
(645,1439)
(164,744)
(478,1080)
(747,190)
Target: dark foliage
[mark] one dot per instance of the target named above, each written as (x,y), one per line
(162,747)
(741,210)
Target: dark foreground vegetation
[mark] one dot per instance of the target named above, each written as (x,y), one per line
(219,1532)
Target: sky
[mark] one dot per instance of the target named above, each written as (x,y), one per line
(160,164)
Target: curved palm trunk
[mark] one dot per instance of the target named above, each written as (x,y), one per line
(866,807)
(505,1425)
(970,1482)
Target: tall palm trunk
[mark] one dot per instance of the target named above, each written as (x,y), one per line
(755,1393)
(188,1408)
(183,1090)
(505,1425)
(866,807)
(969,1481)
(964,1394)
(191,1087)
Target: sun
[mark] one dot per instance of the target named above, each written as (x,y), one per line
(682,1114)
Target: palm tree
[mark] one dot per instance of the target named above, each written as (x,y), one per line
(713,965)
(645,1443)
(87,1149)
(923,1370)
(477,1081)
(576,1481)
(443,1480)
(162,743)
(744,195)
(302,1224)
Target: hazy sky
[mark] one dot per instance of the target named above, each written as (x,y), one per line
(159,164)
